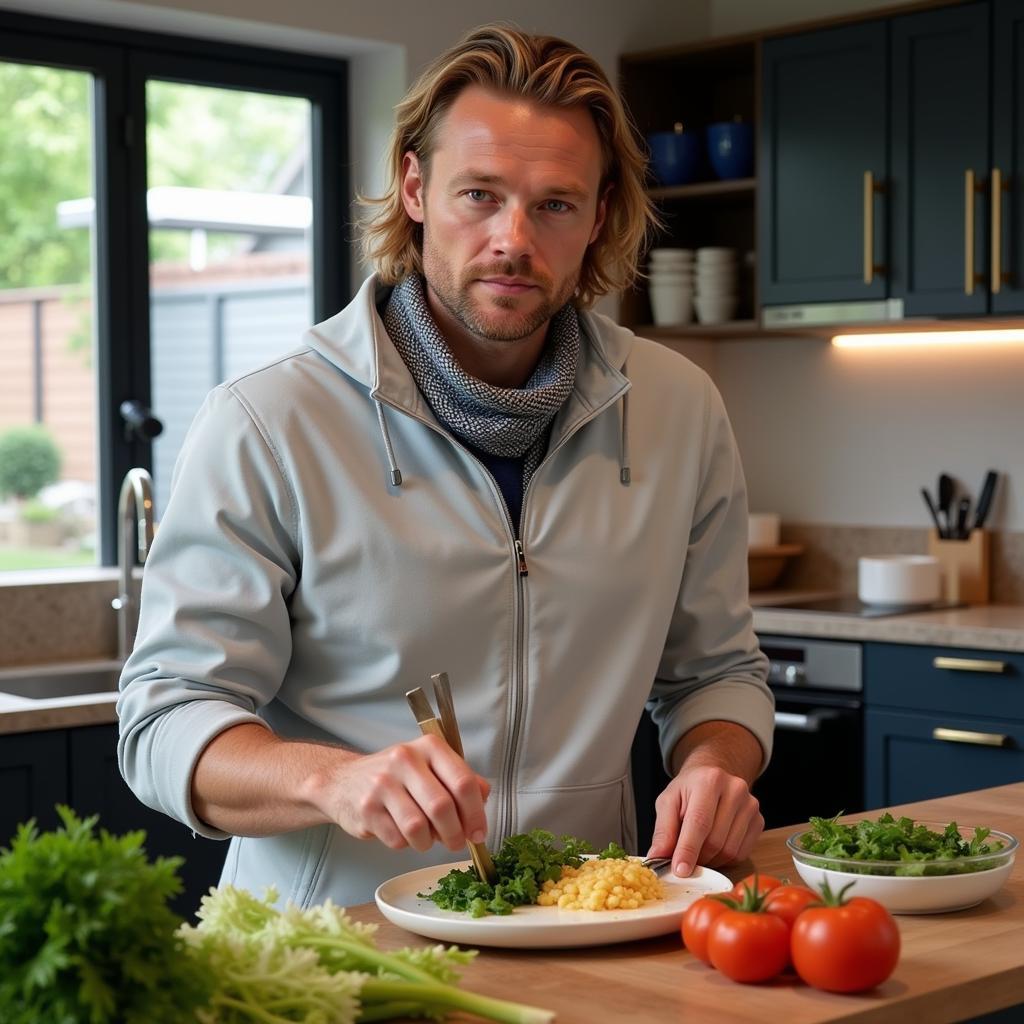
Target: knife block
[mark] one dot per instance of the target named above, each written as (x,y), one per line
(964,565)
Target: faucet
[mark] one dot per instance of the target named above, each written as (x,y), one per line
(135,502)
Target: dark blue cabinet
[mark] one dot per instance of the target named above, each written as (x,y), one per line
(1006,273)
(823,128)
(33,777)
(940,160)
(940,721)
(931,105)
(79,767)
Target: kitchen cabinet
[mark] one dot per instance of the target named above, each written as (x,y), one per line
(33,777)
(891,165)
(78,766)
(823,128)
(940,720)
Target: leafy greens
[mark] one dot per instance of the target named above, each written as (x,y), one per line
(85,931)
(524,863)
(913,849)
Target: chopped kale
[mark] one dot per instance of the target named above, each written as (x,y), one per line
(524,863)
(912,849)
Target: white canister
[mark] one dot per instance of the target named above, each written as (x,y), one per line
(763,529)
(898,579)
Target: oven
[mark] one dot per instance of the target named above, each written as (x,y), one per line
(817,765)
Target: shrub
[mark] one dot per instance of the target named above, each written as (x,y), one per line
(29,460)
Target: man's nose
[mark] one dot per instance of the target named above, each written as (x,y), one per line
(513,234)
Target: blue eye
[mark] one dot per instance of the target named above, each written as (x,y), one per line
(477,195)
(557,206)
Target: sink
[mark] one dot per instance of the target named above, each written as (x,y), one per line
(45,682)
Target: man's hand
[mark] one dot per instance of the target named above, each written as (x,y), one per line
(412,794)
(707,814)
(250,782)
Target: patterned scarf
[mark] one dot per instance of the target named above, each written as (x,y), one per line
(509,422)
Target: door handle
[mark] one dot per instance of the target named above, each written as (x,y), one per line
(788,721)
(998,187)
(978,739)
(971,187)
(871,189)
(969,665)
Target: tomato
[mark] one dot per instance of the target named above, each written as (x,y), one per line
(697,920)
(789,901)
(765,883)
(749,946)
(846,946)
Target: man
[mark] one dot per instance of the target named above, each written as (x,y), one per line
(440,479)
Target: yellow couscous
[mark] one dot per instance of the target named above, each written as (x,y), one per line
(612,884)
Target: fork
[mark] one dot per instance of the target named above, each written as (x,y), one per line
(656,864)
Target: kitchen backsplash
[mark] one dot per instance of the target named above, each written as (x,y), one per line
(72,621)
(829,560)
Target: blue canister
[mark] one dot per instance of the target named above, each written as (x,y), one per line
(731,148)
(675,156)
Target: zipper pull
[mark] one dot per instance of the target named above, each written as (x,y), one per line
(523,570)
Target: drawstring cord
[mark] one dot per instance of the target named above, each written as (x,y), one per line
(624,474)
(396,473)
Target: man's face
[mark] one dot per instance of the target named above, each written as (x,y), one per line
(509,206)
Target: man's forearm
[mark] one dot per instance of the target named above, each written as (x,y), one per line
(250,782)
(722,744)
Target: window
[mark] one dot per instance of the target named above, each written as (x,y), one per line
(171,215)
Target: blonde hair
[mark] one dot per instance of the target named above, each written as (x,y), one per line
(550,72)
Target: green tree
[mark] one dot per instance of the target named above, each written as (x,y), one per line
(196,136)
(29,460)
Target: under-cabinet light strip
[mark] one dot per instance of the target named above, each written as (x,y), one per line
(908,338)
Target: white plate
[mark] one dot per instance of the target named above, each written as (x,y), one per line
(536,927)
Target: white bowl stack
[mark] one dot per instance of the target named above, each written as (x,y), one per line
(716,280)
(670,286)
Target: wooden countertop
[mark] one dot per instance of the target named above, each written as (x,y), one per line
(953,966)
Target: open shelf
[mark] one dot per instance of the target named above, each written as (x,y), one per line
(706,189)
(682,332)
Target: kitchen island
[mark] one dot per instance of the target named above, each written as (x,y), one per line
(953,967)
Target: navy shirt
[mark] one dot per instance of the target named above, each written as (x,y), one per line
(508,475)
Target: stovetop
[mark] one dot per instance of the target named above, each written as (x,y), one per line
(851,605)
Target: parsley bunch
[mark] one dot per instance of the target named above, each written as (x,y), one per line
(524,863)
(914,849)
(86,936)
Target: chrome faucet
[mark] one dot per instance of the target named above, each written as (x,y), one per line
(135,502)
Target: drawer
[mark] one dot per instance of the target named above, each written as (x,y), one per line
(911,757)
(987,684)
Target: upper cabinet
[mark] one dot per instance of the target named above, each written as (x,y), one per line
(823,156)
(890,166)
(889,173)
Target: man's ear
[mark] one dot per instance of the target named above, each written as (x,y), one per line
(412,187)
(602,210)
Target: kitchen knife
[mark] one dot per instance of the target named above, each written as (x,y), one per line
(946,501)
(935,515)
(963,510)
(985,501)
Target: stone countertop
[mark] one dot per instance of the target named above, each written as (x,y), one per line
(985,627)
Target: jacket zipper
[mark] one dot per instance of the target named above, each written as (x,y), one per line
(511,760)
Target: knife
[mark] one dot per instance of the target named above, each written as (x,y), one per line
(430,726)
(935,515)
(985,501)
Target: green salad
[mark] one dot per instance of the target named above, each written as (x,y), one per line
(524,863)
(910,849)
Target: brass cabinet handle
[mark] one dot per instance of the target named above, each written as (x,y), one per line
(978,739)
(969,665)
(871,189)
(969,232)
(997,229)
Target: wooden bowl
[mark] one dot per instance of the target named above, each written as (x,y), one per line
(765,565)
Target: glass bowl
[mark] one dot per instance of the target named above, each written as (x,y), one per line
(913,887)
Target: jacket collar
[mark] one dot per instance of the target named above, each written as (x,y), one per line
(356,342)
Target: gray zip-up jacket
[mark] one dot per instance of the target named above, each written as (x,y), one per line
(327,546)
